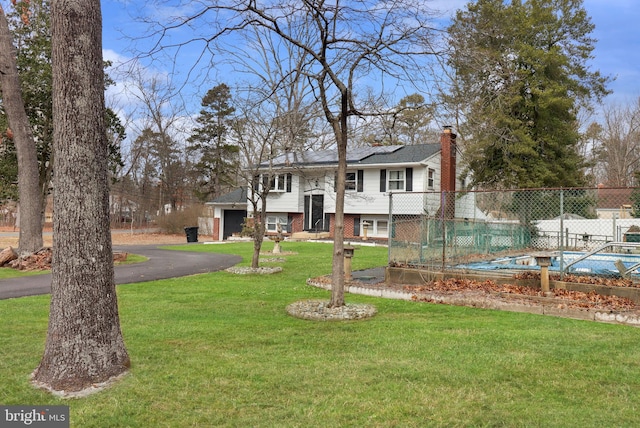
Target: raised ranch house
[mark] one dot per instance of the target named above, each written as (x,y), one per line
(302,195)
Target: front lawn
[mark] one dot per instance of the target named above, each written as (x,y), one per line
(7,272)
(220,350)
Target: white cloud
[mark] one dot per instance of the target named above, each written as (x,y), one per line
(447,7)
(114,57)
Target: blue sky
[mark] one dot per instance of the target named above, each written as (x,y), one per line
(617,52)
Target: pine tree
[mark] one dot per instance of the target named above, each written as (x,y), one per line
(217,157)
(521,75)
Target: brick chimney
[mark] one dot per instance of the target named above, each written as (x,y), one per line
(448,173)
(448,160)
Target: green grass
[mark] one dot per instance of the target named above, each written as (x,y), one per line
(220,350)
(6,272)
(131,259)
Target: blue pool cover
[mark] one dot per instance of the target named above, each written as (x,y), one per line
(597,264)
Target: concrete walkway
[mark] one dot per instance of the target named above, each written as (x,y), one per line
(162,264)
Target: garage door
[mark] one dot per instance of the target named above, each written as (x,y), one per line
(233,222)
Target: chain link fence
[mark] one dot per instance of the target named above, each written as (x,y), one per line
(586,230)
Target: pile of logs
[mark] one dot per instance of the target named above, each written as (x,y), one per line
(7,255)
(40,260)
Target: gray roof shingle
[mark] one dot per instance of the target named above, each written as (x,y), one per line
(405,154)
(238,196)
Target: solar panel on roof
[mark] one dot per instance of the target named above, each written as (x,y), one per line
(359,153)
(331,156)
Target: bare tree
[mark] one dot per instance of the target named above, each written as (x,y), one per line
(84,345)
(159,116)
(588,149)
(345,43)
(275,114)
(406,123)
(256,138)
(264,128)
(30,239)
(617,149)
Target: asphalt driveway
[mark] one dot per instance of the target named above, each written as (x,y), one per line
(162,264)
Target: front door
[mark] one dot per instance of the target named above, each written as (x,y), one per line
(314,212)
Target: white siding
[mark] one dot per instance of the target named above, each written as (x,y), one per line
(371,201)
(434,164)
(285,201)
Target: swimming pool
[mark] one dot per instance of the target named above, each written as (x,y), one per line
(596,264)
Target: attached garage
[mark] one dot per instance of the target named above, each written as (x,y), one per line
(229,212)
(232,222)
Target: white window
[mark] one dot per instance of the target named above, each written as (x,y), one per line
(279,183)
(274,220)
(376,227)
(351,181)
(396,180)
(431,179)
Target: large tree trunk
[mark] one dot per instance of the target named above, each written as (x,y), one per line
(30,239)
(337,272)
(84,343)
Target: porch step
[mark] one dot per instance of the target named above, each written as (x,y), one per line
(309,235)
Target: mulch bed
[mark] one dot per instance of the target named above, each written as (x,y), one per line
(490,295)
(569,299)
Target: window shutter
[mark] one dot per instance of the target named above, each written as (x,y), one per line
(383,180)
(255,183)
(356,226)
(265,182)
(360,178)
(289,177)
(408,176)
(307,213)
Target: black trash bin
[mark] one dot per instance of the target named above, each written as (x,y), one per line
(192,234)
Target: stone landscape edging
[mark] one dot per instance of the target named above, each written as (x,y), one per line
(495,301)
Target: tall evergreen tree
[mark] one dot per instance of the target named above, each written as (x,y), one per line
(30,26)
(521,74)
(412,119)
(8,165)
(32,38)
(217,158)
(21,133)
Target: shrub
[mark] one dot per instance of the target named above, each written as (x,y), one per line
(176,221)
